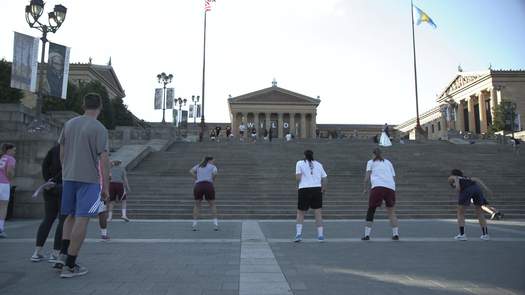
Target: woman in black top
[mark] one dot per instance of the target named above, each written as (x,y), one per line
(469,189)
(51,170)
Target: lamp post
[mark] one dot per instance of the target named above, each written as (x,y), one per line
(56,18)
(195,100)
(180,102)
(165,80)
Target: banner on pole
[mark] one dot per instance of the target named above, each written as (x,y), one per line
(175,117)
(158,98)
(184,119)
(191,111)
(57,70)
(198,114)
(25,62)
(170,95)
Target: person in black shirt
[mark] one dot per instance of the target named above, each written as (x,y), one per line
(51,171)
(469,189)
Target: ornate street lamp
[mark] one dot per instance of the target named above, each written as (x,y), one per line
(165,80)
(180,102)
(195,100)
(56,18)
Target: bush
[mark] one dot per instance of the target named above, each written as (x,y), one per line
(8,94)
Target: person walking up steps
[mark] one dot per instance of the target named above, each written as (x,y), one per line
(83,141)
(51,171)
(118,189)
(380,173)
(7,173)
(204,175)
(311,183)
(468,189)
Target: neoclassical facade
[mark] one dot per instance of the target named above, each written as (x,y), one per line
(467,103)
(282,110)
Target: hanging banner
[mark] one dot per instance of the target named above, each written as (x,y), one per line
(184,119)
(191,111)
(25,62)
(198,111)
(175,117)
(57,70)
(170,95)
(158,98)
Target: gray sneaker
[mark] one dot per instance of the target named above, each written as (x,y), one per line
(2,235)
(75,271)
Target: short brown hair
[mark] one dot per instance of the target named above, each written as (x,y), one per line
(92,101)
(6,147)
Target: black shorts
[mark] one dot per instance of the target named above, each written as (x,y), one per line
(204,190)
(472,194)
(310,197)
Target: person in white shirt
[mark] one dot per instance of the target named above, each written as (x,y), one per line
(288,136)
(311,182)
(380,172)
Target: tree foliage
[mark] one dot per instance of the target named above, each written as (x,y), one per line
(503,112)
(8,94)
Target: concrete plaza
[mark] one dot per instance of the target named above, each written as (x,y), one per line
(258,257)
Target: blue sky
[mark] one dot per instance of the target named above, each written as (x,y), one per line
(355,54)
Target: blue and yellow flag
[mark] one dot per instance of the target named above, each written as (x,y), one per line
(424,18)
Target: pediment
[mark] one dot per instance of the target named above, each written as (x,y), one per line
(461,81)
(274,95)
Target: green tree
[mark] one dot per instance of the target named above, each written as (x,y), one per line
(8,94)
(502,112)
(122,116)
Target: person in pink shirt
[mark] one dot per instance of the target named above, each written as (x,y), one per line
(7,173)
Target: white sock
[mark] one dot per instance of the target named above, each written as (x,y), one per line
(395,231)
(298,229)
(38,251)
(56,252)
(194,223)
(110,214)
(320,231)
(2,224)
(368,230)
(124,212)
(215,222)
(104,231)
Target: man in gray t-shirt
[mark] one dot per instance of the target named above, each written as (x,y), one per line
(85,172)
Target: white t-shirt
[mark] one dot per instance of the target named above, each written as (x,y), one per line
(382,173)
(288,137)
(310,175)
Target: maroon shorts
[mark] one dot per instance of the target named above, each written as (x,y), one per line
(204,190)
(116,191)
(378,194)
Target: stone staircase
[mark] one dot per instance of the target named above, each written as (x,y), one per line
(256,181)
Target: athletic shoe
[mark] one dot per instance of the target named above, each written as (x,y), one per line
(485,237)
(460,237)
(298,238)
(104,238)
(125,218)
(109,219)
(75,271)
(2,235)
(52,258)
(216,227)
(365,238)
(60,262)
(37,257)
(395,238)
(194,227)
(320,239)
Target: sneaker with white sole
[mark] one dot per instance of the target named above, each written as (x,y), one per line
(75,271)
(485,237)
(52,258)
(460,237)
(125,218)
(298,238)
(37,257)
(216,227)
(104,238)
(194,227)
(3,235)
(320,239)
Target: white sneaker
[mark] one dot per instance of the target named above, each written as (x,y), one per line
(485,237)
(460,237)
(37,257)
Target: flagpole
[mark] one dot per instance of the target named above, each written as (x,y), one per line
(418,125)
(201,134)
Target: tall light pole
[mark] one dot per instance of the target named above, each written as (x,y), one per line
(56,18)
(165,80)
(195,100)
(180,102)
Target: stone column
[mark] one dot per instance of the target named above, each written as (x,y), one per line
(482,113)
(313,124)
(280,125)
(471,115)
(303,125)
(493,101)
(460,123)
(256,123)
(268,123)
(235,125)
(292,124)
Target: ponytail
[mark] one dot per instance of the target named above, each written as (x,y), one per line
(205,161)
(377,155)
(309,155)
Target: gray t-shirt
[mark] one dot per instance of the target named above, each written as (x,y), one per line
(84,139)
(205,173)
(117,174)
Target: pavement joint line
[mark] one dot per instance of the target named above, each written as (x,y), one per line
(497,228)
(389,240)
(259,272)
(131,241)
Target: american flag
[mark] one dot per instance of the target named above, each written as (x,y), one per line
(207,5)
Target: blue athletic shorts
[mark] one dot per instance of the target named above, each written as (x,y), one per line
(473,193)
(80,199)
